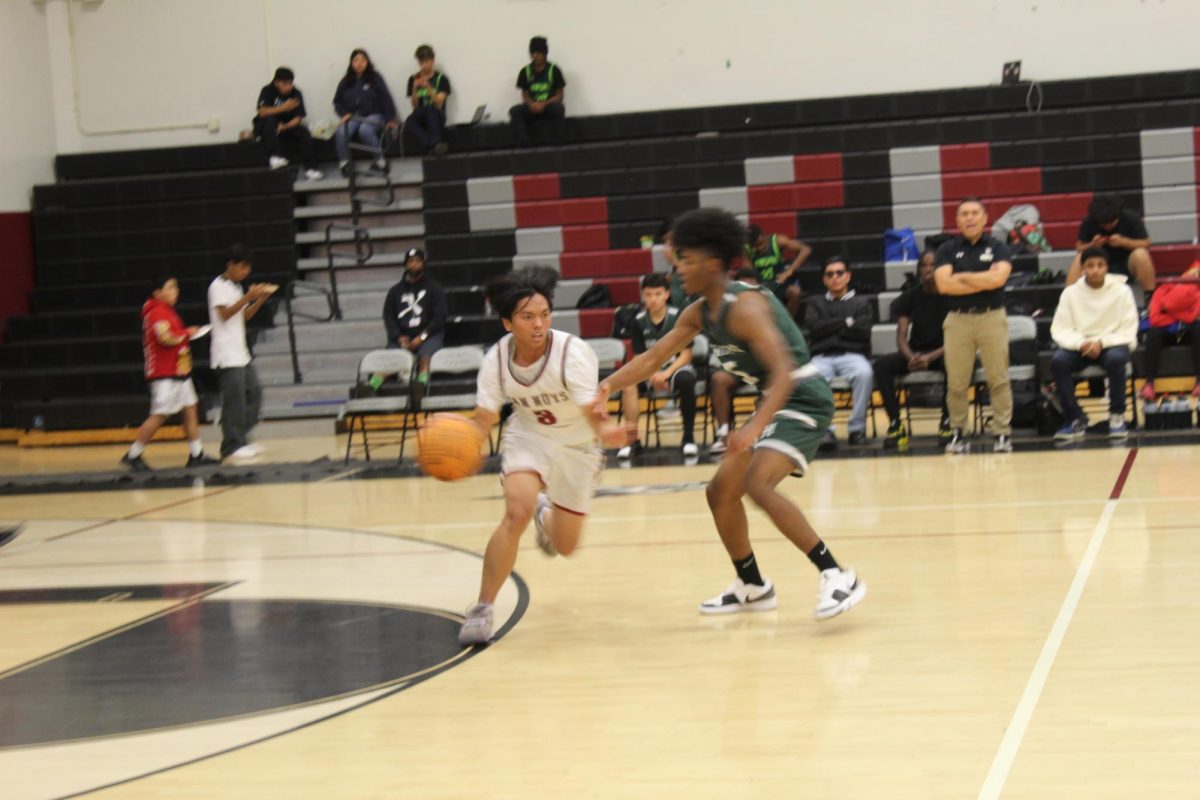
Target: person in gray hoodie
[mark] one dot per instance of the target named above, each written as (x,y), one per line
(1096,323)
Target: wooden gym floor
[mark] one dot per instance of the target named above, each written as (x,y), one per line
(1025,636)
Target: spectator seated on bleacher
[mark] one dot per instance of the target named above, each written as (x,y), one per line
(541,83)
(838,326)
(428,90)
(280,125)
(768,256)
(1096,324)
(1123,236)
(1174,316)
(364,107)
(414,314)
(920,312)
(654,320)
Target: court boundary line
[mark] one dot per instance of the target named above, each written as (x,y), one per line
(1014,734)
(136,514)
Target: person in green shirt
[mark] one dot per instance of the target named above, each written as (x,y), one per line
(768,256)
(755,339)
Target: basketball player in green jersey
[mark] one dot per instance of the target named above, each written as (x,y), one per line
(754,338)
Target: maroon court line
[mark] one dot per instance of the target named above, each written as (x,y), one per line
(143,512)
(1120,484)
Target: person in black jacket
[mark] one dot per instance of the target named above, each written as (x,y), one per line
(838,326)
(364,107)
(279,123)
(414,314)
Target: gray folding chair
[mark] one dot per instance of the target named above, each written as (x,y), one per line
(379,362)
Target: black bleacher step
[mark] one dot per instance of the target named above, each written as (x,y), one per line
(189,158)
(50,224)
(160,189)
(876,134)
(166,241)
(83,413)
(276,260)
(1160,88)
(48,299)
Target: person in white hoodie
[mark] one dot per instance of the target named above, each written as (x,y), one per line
(1096,324)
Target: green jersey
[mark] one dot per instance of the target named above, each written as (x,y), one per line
(735,356)
(767,264)
(646,332)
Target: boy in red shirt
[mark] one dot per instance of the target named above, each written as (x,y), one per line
(168,371)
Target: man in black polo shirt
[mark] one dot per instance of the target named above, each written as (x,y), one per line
(971,270)
(1124,238)
(279,122)
(541,84)
(920,313)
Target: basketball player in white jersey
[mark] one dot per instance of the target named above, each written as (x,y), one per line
(550,460)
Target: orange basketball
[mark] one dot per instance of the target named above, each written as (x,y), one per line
(450,447)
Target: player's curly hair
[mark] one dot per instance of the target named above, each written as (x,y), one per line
(712,229)
(509,291)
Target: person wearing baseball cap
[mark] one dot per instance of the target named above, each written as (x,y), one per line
(414,314)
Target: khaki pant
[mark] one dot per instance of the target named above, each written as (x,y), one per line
(986,333)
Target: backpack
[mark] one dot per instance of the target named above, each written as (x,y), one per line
(598,295)
(624,320)
(900,244)
(1021,227)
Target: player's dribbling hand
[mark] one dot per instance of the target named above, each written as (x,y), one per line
(660,380)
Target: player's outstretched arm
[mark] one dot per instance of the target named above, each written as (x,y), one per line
(648,363)
(485,420)
(750,320)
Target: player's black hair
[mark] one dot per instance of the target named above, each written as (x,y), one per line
(240,254)
(508,291)
(752,234)
(656,280)
(749,274)
(424,52)
(1093,252)
(1105,208)
(159,280)
(538,44)
(714,230)
(284,74)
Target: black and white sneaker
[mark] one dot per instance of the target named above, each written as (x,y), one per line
(840,591)
(202,460)
(741,596)
(135,463)
(9,533)
(1003,444)
(959,443)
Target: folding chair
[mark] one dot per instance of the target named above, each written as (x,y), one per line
(379,362)
(700,365)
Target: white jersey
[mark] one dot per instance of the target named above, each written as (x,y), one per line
(546,401)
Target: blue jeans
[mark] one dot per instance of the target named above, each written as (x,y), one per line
(855,368)
(367,130)
(1066,363)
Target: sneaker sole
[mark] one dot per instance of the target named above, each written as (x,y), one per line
(766,604)
(468,638)
(860,591)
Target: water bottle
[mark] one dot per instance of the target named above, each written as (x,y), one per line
(1151,413)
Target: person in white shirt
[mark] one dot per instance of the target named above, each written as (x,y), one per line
(1096,323)
(229,356)
(550,461)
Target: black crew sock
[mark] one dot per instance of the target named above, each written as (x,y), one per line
(822,558)
(747,570)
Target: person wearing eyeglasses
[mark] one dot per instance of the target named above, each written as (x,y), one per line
(838,325)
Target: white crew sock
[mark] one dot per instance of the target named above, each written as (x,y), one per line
(196,447)
(136,449)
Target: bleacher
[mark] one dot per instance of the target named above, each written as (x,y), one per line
(834,172)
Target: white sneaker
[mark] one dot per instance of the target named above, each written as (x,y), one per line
(959,443)
(313,174)
(544,542)
(477,628)
(690,449)
(718,445)
(1117,427)
(741,596)
(625,452)
(246,451)
(277,162)
(840,591)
